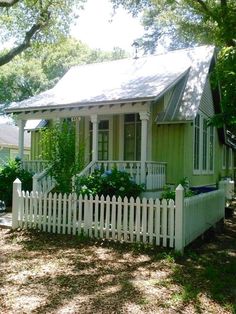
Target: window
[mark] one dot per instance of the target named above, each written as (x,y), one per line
(230,158)
(224,152)
(132,137)
(197,143)
(211,149)
(203,146)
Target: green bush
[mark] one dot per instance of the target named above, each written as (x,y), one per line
(111,182)
(169,193)
(8,174)
(58,147)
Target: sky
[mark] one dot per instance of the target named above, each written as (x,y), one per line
(99,28)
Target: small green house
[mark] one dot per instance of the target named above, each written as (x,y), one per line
(9,142)
(146,115)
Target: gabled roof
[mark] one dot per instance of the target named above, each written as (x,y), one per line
(9,134)
(129,80)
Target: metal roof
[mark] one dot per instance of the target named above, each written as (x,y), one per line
(125,80)
(9,136)
(33,125)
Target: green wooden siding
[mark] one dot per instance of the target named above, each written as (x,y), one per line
(36,147)
(168,146)
(170,143)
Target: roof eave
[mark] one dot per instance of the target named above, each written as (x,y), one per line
(81,105)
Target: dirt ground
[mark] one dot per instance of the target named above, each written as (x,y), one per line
(44,273)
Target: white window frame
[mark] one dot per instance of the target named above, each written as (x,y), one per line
(200,170)
(230,158)
(224,156)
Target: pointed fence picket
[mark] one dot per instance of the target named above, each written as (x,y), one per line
(129,220)
(163,223)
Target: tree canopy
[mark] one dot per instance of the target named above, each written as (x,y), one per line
(23,22)
(185,22)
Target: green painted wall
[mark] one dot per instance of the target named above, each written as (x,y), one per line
(168,146)
(170,143)
(36,148)
(173,143)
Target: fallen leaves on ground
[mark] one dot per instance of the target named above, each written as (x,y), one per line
(46,273)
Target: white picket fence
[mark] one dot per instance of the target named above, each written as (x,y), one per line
(201,212)
(162,223)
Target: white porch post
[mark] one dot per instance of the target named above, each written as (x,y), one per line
(144,117)
(94,120)
(21,125)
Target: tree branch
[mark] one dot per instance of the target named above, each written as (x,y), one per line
(204,6)
(7,3)
(44,17)
(207,10)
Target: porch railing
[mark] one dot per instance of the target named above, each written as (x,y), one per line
(42,179)
(43,182)
(35,166)
(155,172)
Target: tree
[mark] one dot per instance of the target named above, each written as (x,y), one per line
(29,21)
(191,21)
(225,73)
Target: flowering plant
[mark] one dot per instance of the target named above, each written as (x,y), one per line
(110,182)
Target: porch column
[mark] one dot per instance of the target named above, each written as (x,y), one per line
(94,120)
(144,117)
(21,125)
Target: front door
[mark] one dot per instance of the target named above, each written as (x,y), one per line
(132,137)
(103,139)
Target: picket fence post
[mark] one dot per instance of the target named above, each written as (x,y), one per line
(35,183)
(179,219)
(15,202)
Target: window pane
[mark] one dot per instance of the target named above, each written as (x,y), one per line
(129,142)
(132,137)
(211,147)
(204,145)
(103,125)
(129,117)
(197,143)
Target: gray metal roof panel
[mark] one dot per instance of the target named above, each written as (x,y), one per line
(128,79)
(9,135)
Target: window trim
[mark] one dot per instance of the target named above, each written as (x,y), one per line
(209,137)
(224,156)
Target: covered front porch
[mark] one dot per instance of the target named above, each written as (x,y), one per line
(113,136)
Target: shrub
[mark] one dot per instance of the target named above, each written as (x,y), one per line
(169,193)
(111,182)
(59,149)
(8,174)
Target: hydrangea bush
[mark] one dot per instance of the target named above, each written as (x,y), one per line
(110,182)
